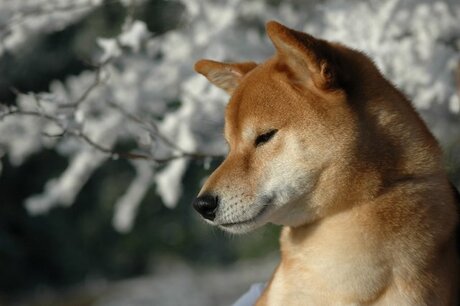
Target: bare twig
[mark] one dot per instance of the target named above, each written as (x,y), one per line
(98,80)
(151,127)
(16,111)
(82,136)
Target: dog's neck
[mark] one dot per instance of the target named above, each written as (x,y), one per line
(330,253)
(350,243)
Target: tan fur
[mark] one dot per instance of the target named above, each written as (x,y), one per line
(352,173)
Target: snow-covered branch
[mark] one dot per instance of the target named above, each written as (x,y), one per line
(77,131)
(20,20)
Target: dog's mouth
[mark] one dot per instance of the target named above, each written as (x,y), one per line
(262,212)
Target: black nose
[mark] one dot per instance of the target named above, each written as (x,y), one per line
(206,205)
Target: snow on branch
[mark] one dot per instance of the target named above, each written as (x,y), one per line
(20,20)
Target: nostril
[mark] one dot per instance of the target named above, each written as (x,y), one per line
(206,205)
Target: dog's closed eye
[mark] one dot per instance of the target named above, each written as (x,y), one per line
(265,137)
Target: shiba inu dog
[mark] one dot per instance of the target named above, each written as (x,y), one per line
(321,143)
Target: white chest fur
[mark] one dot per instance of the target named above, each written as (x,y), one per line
(330,263)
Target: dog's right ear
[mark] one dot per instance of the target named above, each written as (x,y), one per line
(224,75)
(304,56)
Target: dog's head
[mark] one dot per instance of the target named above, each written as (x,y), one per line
(290,131)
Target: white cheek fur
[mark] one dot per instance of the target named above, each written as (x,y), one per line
(288,180)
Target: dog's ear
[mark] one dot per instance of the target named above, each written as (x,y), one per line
(224,75)
(303,56)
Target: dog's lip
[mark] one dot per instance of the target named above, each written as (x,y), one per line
(261,212)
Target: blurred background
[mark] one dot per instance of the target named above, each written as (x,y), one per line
(106,135)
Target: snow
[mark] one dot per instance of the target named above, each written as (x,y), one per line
(168,181)
(134,35)
(110,48)
(179,284)
(126,206)
(147,86)
(64,189)
(20,20)
(454,104)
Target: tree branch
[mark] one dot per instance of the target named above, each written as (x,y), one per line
(12,111)
(98,80)
(38,11)
(151,127)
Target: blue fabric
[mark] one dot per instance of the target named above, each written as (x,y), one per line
(251,296)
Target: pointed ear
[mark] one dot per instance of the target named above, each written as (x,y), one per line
(224,75)
(306,57)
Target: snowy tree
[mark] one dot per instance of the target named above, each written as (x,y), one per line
(141,88)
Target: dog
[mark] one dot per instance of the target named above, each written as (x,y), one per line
(322,144)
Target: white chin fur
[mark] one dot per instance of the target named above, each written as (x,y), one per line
(241,228)
(259,219)
(290,214)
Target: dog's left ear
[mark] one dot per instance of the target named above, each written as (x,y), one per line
(224,75)
(303,57)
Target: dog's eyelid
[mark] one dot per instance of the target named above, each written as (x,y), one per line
(265,137)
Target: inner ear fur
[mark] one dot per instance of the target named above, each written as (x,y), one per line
(306,57)
(224,75)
